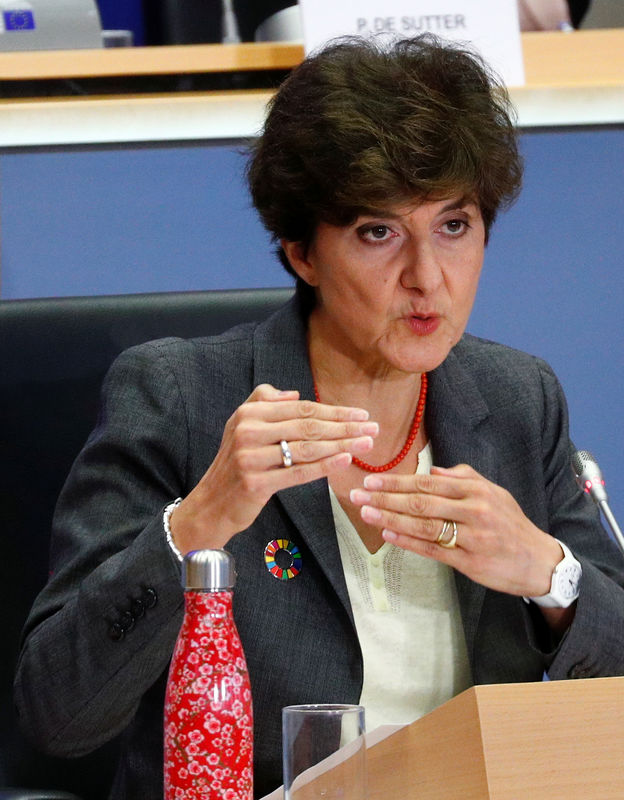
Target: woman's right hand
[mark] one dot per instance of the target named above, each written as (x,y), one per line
(248,469)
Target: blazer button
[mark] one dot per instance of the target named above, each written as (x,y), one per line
(150,598)
(116,632)
(126,620)
(137,608)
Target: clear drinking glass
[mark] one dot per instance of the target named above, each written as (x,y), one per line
(324,752)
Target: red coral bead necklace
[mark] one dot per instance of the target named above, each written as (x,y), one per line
(413,432)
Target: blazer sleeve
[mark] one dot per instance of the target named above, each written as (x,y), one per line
(592,646)
(103,629)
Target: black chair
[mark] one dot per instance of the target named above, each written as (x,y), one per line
(54,354)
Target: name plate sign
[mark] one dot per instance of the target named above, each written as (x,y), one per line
(490,26)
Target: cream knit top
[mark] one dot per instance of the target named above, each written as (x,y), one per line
(408,623)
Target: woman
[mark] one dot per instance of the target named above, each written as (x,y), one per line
(380,174)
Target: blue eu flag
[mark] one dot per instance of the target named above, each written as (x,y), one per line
(19,20)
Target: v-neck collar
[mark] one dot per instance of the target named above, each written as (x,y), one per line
(456,422)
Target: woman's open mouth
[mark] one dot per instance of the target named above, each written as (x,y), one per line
(423,325)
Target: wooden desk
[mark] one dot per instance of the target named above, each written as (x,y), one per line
(572,79)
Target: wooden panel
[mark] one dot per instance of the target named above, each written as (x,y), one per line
(438,757)
(133,61)
(579,58)
(545,741)
(572,79)
(554,740)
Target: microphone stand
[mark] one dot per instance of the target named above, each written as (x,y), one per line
(604,506)
(589,479)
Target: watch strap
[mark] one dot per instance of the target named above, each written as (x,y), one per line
(554,598)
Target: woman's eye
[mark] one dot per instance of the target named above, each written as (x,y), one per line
(455,226)
(377,233)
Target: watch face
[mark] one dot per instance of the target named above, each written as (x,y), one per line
(568,580)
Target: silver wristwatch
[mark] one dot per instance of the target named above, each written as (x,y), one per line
(564,586)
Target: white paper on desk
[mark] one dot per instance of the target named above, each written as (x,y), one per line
(490,25)
(380,733)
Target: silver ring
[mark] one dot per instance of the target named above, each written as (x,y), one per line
(448,543)
(287,460)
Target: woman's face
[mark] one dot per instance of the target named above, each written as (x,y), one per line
(395,289)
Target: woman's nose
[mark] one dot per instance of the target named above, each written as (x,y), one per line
(422,270)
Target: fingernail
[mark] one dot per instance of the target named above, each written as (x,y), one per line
(371,514)
(342,459)
(373,482)
(389,536)
(359,415)
(359,496)
(371,428)
(363,444)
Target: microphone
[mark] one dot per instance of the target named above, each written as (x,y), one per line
(590,480)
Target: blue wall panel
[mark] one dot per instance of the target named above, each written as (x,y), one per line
(135,220)
(553,282)
(165,218)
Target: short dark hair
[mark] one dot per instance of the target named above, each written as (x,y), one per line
(360,126)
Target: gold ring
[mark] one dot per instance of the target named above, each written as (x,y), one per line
(448,543)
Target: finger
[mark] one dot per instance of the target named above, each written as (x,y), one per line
(427,529)
(428,549)
(414,504)
(304,473)
(300,434)
(266,392)
(440,485)
(267,482)
(316,430)
(458,471)
(289,408)
(267,457)
(304,452)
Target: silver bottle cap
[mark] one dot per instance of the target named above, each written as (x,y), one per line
(210,570)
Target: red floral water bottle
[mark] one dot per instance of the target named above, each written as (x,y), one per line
(208,713)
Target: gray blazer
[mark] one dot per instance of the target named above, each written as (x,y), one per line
(100,635)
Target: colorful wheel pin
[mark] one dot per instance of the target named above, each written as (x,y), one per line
(282,559)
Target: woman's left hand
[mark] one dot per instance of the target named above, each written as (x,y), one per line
(497,545)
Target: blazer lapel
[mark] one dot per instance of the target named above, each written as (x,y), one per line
(281,359)
(456,419)
(457,424)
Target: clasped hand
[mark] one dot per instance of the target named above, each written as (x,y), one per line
(497,545)
(249,469)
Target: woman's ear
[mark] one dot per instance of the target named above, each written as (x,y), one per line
(297,254)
